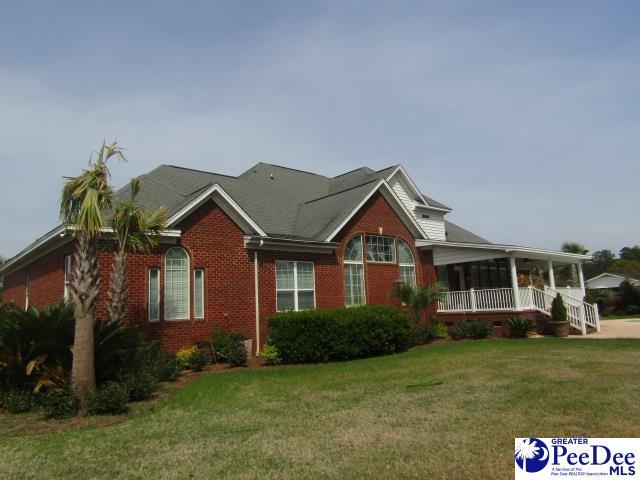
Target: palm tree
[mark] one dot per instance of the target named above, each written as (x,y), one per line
(84,200)
(419,299)
(526,450)
(136,230)
(574,247)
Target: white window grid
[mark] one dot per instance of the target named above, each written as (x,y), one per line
(67,276)
(354,282)
(292,284)
(381,249)
(407,264)
(176,285)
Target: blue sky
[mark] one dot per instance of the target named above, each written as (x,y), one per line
(524,117)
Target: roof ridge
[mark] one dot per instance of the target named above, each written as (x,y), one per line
(197,170)
(351,171)
(293,169)
(342,191)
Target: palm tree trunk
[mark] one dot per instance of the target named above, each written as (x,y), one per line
(574,276)
(118,287)
(84,291)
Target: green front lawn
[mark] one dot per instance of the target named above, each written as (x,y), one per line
(444,411)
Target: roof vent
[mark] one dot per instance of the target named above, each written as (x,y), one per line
(271,176)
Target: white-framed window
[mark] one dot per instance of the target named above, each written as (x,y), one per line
(295,286)
(198,293)
(27,281)
(354,273)
(407,264)
(67,276)
(176,284)
(381,249)
(154,294)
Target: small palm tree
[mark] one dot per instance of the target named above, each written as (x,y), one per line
(136,230)
(526,450)
(419,299)
(84,200)
(574,247)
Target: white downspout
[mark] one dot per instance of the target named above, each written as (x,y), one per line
(255,282)
(514,283)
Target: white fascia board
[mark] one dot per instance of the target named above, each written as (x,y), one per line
(401,210)
(509,249)
(59,233)
(607,274)
(288,245)
(412,184)
(200,199)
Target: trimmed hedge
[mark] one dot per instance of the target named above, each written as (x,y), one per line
(339,334)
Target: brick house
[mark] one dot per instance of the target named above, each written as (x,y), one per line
(237,249)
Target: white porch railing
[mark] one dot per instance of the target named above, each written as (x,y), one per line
(580,313)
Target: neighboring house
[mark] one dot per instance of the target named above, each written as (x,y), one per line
(238,249)
(610,281)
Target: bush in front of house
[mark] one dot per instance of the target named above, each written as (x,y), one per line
(422,334)
(17,401)
(191,358)
(170,370)
(271,355)
(558,309)
(60,403)
(109,399)
(476,328)
(339,334)
(519,327)
(632,310)
(229,347)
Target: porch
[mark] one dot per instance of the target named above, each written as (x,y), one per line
(493,278)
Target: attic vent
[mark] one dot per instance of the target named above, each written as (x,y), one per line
(424,215)
(272,176)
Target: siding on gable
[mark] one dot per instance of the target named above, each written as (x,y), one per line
(432,226)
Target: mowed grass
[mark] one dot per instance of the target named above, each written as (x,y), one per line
(444,411)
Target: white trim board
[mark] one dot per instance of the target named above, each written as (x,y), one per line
(230,207)
(392,198)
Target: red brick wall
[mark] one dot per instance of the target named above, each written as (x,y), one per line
(216,244)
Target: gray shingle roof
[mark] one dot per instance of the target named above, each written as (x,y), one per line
(458,234)
(284,202)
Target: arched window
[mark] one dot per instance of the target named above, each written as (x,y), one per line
(176,284)
(354,273)
(407,264)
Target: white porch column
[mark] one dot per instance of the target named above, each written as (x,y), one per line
(580,276)
(552,278)
(514,283)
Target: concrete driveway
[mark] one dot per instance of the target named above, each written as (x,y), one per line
(627,328)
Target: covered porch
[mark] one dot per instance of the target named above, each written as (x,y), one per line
(506,278)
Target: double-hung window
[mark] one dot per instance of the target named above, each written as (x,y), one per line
(295,285)
(381,249)
(354,273)
(176,285)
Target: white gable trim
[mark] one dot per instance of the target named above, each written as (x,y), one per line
(395,202)
(400,169)
(228,204)
(607,274)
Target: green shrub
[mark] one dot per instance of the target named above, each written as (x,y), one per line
(237,355)
(140,385)
(476,328)
(191,358)
(519,327)
(458,332)
(118,350)
(229,347)
(422,334)
(632,310)
(440,330)
(17,401)
(271,355)
(59,403)
(109,398)
(558,309)
(339,334)
(171,370)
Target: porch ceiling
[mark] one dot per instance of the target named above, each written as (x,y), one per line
(445,253)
